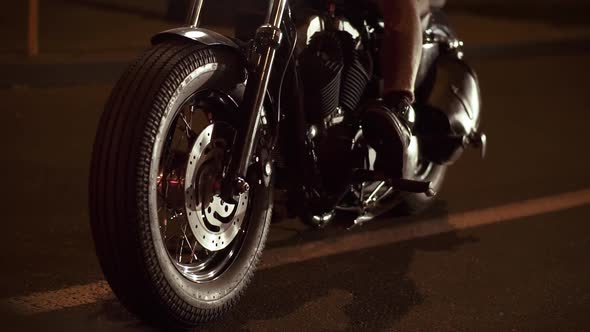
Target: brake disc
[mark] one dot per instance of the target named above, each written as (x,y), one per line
(214,222)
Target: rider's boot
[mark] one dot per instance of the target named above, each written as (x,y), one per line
(387,127)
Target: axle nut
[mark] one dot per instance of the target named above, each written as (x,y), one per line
(242,186)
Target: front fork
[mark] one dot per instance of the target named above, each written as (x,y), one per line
(266,42)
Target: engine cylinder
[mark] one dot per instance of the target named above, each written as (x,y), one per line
(335,75)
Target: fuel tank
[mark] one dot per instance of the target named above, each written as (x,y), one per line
(448,108)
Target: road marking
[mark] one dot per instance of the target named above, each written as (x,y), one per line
(75,296)
(424,228)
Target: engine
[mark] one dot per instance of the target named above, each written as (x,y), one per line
(335,77)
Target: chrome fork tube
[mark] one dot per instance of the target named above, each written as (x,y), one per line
(275,13)
(195,13)
(266,42)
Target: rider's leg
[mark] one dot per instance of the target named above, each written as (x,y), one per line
(388,127)
(402,47)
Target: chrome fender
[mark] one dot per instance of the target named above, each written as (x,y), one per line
(199,35)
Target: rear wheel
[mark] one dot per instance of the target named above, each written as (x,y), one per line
(174,252)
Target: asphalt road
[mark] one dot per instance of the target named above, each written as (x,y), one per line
(522,272)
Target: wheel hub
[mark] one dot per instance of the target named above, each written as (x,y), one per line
(214,222)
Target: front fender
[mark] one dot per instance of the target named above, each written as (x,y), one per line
(199,35)
(208,37)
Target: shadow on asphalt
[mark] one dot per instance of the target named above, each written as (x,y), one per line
(370,289)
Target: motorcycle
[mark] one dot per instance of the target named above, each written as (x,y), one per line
(203,129)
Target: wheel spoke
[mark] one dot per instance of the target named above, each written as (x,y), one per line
(188,242)
(193,253)
(191,136)
(180,251)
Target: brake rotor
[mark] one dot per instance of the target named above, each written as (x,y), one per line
(214,222)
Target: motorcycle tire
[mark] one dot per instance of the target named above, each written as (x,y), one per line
(126,202)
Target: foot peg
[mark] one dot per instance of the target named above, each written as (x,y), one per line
(411,186)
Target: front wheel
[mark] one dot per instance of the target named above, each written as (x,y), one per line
(173,251)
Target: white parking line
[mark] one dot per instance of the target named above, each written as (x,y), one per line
(99,291)
(424,228)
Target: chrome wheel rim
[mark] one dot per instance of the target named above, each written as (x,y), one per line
(199,236)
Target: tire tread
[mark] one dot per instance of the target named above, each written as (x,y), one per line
(118,194)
